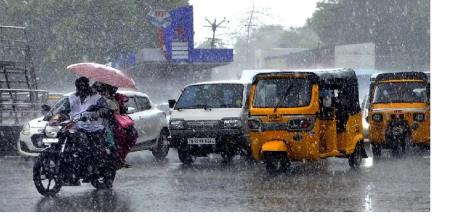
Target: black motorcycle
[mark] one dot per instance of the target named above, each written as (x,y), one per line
(72,156)
(398,136)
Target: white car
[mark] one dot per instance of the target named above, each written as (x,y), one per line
(150,122)
(210,117)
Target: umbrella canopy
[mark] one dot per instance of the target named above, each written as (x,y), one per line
(103,73)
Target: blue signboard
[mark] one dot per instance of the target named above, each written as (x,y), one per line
(179,41)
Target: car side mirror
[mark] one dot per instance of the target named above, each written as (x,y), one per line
(131,110)
(172,103)
(45,109)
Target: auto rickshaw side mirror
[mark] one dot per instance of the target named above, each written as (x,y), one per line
(172,103)
(45,109)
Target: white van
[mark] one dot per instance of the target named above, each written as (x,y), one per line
(210,117)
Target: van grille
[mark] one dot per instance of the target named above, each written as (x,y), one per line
(202,124)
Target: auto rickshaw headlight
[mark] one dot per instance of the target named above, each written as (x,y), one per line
(231,123)
(176,124)
(254,124)
(419,117)
(377,117)
(300,124)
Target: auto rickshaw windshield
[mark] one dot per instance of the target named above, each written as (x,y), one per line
(282,92)
(400,92)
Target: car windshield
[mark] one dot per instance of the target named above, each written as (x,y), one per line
(400,92)
(282,92)
(211,96)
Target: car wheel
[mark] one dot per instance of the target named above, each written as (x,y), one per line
(185,156)
(105,180)
(162,149)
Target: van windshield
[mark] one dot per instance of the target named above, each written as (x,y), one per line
(282,92)
(211,96)
(403,92)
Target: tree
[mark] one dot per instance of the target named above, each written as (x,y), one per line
(400,29)
(62,32)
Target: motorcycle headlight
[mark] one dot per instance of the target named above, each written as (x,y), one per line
(232,123)
(52,131)
(377,117)
(419,117)
(176,124)
(254,124)
(26,129)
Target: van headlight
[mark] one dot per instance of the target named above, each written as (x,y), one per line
(231,123)
(26,129)
(177,124)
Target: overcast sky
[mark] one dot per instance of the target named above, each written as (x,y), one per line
(288,13)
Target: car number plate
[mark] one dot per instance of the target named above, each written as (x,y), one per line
(49,140)
(201,141)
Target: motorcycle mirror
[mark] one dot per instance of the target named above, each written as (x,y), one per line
(45,109)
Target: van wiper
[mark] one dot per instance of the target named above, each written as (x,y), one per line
(204,106)
(284,96)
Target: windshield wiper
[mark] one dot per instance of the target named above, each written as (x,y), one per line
(284,96)
(204,106)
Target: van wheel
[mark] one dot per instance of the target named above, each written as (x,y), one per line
(162,149)
(276,162)
(185,156)
(355,159)
(376,150)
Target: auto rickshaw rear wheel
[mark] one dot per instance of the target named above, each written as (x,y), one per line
(276,162)
(376,150)
(355,159)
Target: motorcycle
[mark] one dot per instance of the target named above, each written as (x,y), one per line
(72,156)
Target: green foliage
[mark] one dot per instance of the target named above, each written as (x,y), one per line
(62,32)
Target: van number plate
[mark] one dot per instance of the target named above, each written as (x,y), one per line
(201,141)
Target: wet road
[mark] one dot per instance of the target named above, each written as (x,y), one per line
(384,184)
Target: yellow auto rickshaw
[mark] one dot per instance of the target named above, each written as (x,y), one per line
(299,115)
(399,111)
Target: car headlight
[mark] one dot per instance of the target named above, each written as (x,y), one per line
(176,124)
(26,129)
(254,124)
(419,117)
(377,117)
(231,123)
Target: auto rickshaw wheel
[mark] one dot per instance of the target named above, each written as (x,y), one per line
(376,150)
(276,162)
(355,159)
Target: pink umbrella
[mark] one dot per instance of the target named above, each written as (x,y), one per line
(103,73)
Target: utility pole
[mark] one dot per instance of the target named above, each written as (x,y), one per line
(249,25)
(214,25)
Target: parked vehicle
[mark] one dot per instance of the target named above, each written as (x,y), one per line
(399,111)
(210,117)
(150,122)
(71,157)
(305,115)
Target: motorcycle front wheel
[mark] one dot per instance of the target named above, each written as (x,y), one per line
(46,175)
(105,179)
